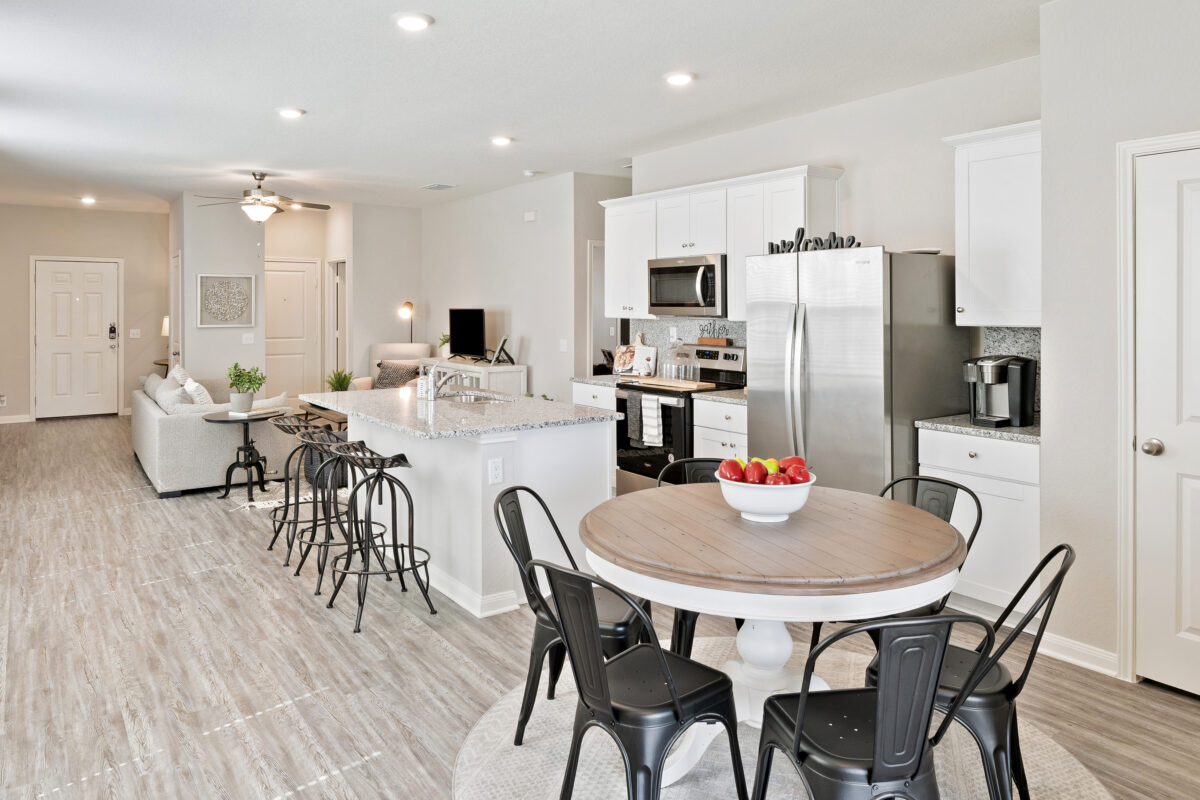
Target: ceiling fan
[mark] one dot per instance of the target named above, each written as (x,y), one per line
(259,203)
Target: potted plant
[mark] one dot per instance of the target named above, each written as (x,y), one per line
(339,380)
(243,383)
(444,345)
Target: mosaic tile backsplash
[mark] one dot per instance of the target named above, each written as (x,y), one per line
(657,332)
(1025,342)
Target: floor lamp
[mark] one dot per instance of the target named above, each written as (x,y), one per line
(406,312)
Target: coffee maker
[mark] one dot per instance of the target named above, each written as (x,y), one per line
(1001,390)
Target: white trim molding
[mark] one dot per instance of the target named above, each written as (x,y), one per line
(1127,154)
(15,418)
(479,605)
(1080,654)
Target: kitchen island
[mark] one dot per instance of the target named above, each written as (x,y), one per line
(464,449)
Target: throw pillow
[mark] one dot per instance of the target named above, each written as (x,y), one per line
(180,375)
(167,392)
(397,373)
(175,401)
(151,385)
(198,393)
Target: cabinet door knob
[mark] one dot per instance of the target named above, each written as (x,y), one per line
(691,244)
(724,444)
(972,454)
(728,417)
(960,309)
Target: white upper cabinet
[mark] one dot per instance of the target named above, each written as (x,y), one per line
(692,223)
(998,226)
(736,217)
(629,244)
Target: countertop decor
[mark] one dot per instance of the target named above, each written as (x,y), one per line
(961,423)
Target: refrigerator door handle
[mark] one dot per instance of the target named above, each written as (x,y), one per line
(799,388)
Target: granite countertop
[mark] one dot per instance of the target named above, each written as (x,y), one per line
(735,397)
(400,410)
(961,423)
(597,380)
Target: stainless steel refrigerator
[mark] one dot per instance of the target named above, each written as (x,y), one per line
(845,349)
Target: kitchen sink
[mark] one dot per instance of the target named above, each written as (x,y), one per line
(475,397)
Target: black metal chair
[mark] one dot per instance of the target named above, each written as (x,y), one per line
(620,628)
(644,698)
(862,744)
(937,496)
(989,710)
(683,471)
(377,486)
(288,516)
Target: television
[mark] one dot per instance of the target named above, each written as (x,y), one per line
(467,336)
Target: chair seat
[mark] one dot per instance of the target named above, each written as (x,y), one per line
(992,691)
(617,619)
(639,693)
(839,730)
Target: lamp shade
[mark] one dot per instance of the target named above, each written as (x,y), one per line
(166,326)
(406,311)
(259,212)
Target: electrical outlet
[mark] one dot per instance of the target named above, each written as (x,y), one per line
(495,471)
(3,400)
(135,333)
(612,331)
(531,216)
(674,332)
(562,345)
(247,338)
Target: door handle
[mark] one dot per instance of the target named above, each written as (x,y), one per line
(1153,447)
(700,287)
(112,347)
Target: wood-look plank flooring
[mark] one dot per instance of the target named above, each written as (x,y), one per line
(154,649)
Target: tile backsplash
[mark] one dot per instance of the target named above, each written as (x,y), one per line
(1025,342)
(657,332)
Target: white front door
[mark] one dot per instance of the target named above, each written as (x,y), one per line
(76,338)
(293,325)
(1167,263)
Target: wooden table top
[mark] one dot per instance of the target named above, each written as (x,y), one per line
(840,543)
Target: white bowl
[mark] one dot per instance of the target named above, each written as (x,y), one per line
(759,502)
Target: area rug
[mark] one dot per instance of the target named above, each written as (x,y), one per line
(489,767)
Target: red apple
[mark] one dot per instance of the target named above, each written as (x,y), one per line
(791,461)
(798,474)
(755,472)
(778,479)
(731,470)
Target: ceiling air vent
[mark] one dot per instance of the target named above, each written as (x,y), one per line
(437,187)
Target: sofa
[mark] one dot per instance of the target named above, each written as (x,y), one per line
(181,451)
(389,351)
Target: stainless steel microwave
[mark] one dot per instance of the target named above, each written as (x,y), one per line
(693,286)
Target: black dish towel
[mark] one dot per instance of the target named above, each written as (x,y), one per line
(633,417)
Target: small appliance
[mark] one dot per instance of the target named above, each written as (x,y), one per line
(693,286)
(1001,390)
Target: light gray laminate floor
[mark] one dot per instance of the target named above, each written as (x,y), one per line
(154,649)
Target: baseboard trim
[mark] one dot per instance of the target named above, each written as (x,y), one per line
(125,412)
(478,605)
(1080,654)
(8,420)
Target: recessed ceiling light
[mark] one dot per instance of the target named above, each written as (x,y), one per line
(88,200)
(680,78)
(291,113)
(414,23)
(297,206)
(502,141)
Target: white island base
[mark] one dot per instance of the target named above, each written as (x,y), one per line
(454,482)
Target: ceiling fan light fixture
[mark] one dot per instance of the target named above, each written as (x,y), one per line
(259,212)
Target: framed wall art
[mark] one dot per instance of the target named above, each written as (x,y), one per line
(225,301)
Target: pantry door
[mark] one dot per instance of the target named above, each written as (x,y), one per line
(1167,269)
(76,338)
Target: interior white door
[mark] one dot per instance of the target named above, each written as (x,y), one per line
(293,326)
(77,344)
(1167,264)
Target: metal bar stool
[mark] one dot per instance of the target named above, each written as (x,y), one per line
(377,486)
(333,474)
(287,516)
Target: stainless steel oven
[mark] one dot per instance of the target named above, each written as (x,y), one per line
(693,286)
(638,463)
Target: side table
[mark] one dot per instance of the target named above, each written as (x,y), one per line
(248,457)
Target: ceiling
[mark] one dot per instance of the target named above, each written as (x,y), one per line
(134,101)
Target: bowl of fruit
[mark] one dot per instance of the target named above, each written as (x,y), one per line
(766,489)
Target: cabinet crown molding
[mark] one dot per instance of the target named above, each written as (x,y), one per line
(994,134)
(832,173)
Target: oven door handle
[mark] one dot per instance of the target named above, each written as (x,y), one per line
(673,402)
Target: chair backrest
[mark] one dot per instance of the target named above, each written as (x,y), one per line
(510,520)
(574,614)
(1044,605)
(690,470)
(397,351)
(938,496)
(911,652)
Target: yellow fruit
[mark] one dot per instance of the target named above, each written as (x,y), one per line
(741,463)
(772,466)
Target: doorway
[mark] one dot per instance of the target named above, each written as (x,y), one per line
(336,290)
(174,315)
(76,319)
(293,326)
(602,330)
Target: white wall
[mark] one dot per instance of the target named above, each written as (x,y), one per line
(898,189)
(296,234)
(219,240)
(385,270)
(1112,71)
(139,238)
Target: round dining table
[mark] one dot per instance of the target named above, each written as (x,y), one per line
(844,556)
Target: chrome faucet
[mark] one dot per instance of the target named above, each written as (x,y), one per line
(442,381)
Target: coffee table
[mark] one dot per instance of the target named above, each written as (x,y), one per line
(248,457)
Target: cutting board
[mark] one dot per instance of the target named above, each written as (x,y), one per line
(670,383)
